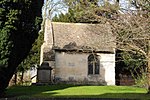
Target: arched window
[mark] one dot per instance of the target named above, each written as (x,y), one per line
(93,65)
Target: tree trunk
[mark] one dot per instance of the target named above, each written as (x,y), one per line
(15,79)
(22,75)
(6,74)
(148,67)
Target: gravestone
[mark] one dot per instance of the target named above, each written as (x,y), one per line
(44,73)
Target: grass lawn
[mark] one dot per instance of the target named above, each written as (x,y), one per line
(71,91)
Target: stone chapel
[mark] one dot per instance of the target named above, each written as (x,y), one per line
(79,53)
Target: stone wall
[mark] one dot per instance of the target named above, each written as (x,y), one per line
(74,67)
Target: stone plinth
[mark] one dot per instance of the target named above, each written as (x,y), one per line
(44,73)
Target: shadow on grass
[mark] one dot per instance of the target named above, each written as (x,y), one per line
(16,91)
(53,92)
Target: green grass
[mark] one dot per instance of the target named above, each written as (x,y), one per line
(71,91)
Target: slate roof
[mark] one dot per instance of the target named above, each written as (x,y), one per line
(81,36)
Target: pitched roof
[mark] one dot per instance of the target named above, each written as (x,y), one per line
(70,36)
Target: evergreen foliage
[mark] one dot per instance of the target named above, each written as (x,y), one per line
(33,57)
(19,26)
(87,11)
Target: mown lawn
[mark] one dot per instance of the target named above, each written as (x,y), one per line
(71,91)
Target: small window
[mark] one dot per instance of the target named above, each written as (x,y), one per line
(93,65)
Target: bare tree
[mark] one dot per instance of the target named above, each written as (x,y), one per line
(133,34)
(49,8)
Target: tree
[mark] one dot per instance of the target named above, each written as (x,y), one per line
(68,17)
(133,33)
(19,28)
(49,7)
(87,11)
(133,36)
(32,59)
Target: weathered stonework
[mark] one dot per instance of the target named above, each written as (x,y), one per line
(67,47)
(48,41)
(75,67)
